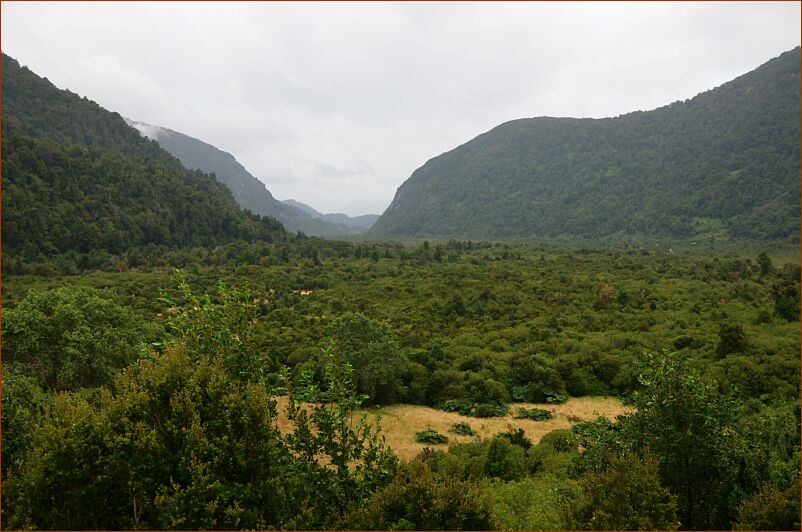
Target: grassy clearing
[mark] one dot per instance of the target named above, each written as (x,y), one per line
(400,422)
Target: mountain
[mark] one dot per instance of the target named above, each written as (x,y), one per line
(249,191)
(76,178)
(357,223)
(724,163)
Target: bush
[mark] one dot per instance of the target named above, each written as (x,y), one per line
(561,440)
(516,437)
(371,348)
(489,410)
(463,429)
(467,407)
(431,437)
(625,496)
(554,398)
(419,500)
(504,460)
(457,405)
(732,339)
(786,300)
(532,503)
(535,414)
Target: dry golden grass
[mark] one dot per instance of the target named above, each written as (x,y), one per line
(399,423)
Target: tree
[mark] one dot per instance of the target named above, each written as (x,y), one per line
(418,499)
(370,348)
(765,263)
(181,444)
(688,426)
(770,509)
(339,463)
(626,495)
(72,337)
(217,331)
(24,406)
(178,444)
(731,339)
(504,460)
(786,300)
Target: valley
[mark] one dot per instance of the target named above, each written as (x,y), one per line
(555,320)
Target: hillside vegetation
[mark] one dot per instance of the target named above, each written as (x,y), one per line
(724,164)
(77,178)
(466,327)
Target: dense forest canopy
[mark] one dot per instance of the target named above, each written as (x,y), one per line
(473,327)
(723,164)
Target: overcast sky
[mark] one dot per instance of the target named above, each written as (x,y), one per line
(337,104)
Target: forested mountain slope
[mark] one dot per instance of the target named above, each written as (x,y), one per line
(249,191)
(77,178)
(724,163)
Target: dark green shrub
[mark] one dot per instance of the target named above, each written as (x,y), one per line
(419,499)
(463,429)
(467,407)
(786,300)
(516,437)
(457,405)
(72,337)
(535,414)
(625,496)
(561,440)
(732,339)
(489,410)
(371,348)
(431,437)
(554,397)
(504,460)
(681,342)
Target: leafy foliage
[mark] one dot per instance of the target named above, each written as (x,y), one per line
(466,407)
(707,456)
(627,495)
(341,463)
(536,414)
(24,406)
(770,509)
(462,428)
(184,442)
(431,437)
(177,445)
(72,337)
(221,331)
(732,339)
(371,349)
(418,499)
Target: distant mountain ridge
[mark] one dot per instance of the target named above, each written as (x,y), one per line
(360,223)
(249,192)
(724,164)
